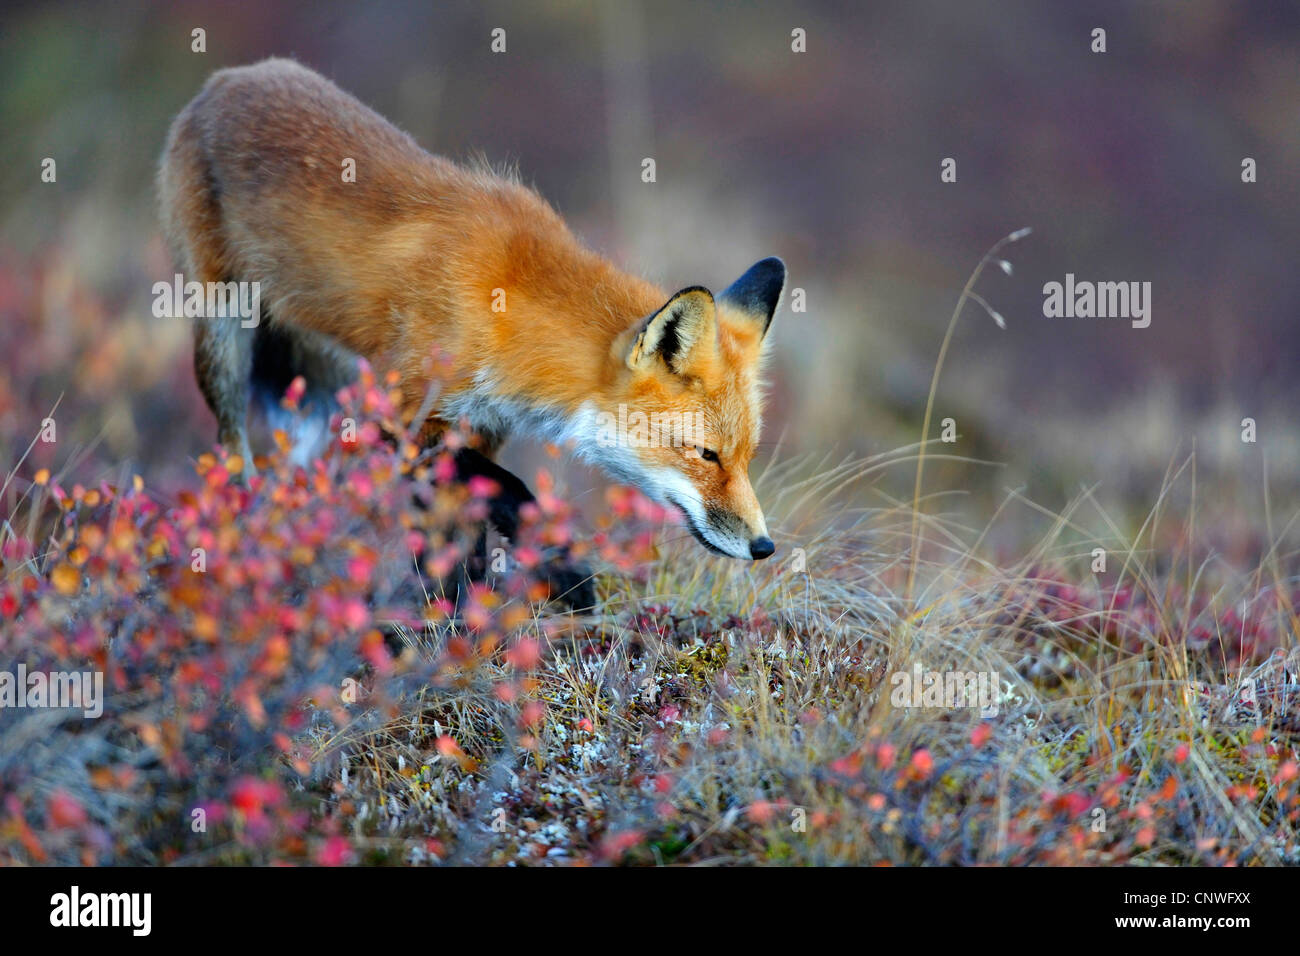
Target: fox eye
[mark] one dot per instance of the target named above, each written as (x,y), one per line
(708,454)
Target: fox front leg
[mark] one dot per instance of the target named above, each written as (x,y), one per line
(569,581)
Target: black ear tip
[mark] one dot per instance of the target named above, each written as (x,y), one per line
(772,267)
(759,289)
(694,290)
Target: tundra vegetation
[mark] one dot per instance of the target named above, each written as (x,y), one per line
(284,680)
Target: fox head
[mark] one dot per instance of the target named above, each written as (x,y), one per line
(690,407)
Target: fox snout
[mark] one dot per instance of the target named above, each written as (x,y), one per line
(727,541)
(741,540)
(728,533)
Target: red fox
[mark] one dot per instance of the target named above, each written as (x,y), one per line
(416,253)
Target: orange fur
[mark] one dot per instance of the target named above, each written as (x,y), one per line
(411,257)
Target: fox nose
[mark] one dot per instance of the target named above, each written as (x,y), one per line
(761,548)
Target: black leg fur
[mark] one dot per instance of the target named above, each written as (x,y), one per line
(569,581)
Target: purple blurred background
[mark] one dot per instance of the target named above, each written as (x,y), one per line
(1127,165)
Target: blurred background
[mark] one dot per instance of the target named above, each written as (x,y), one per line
(1127,164)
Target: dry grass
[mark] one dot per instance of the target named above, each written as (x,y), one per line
(715,714)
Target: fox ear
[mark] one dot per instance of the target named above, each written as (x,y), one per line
(758,291)
(675,331)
